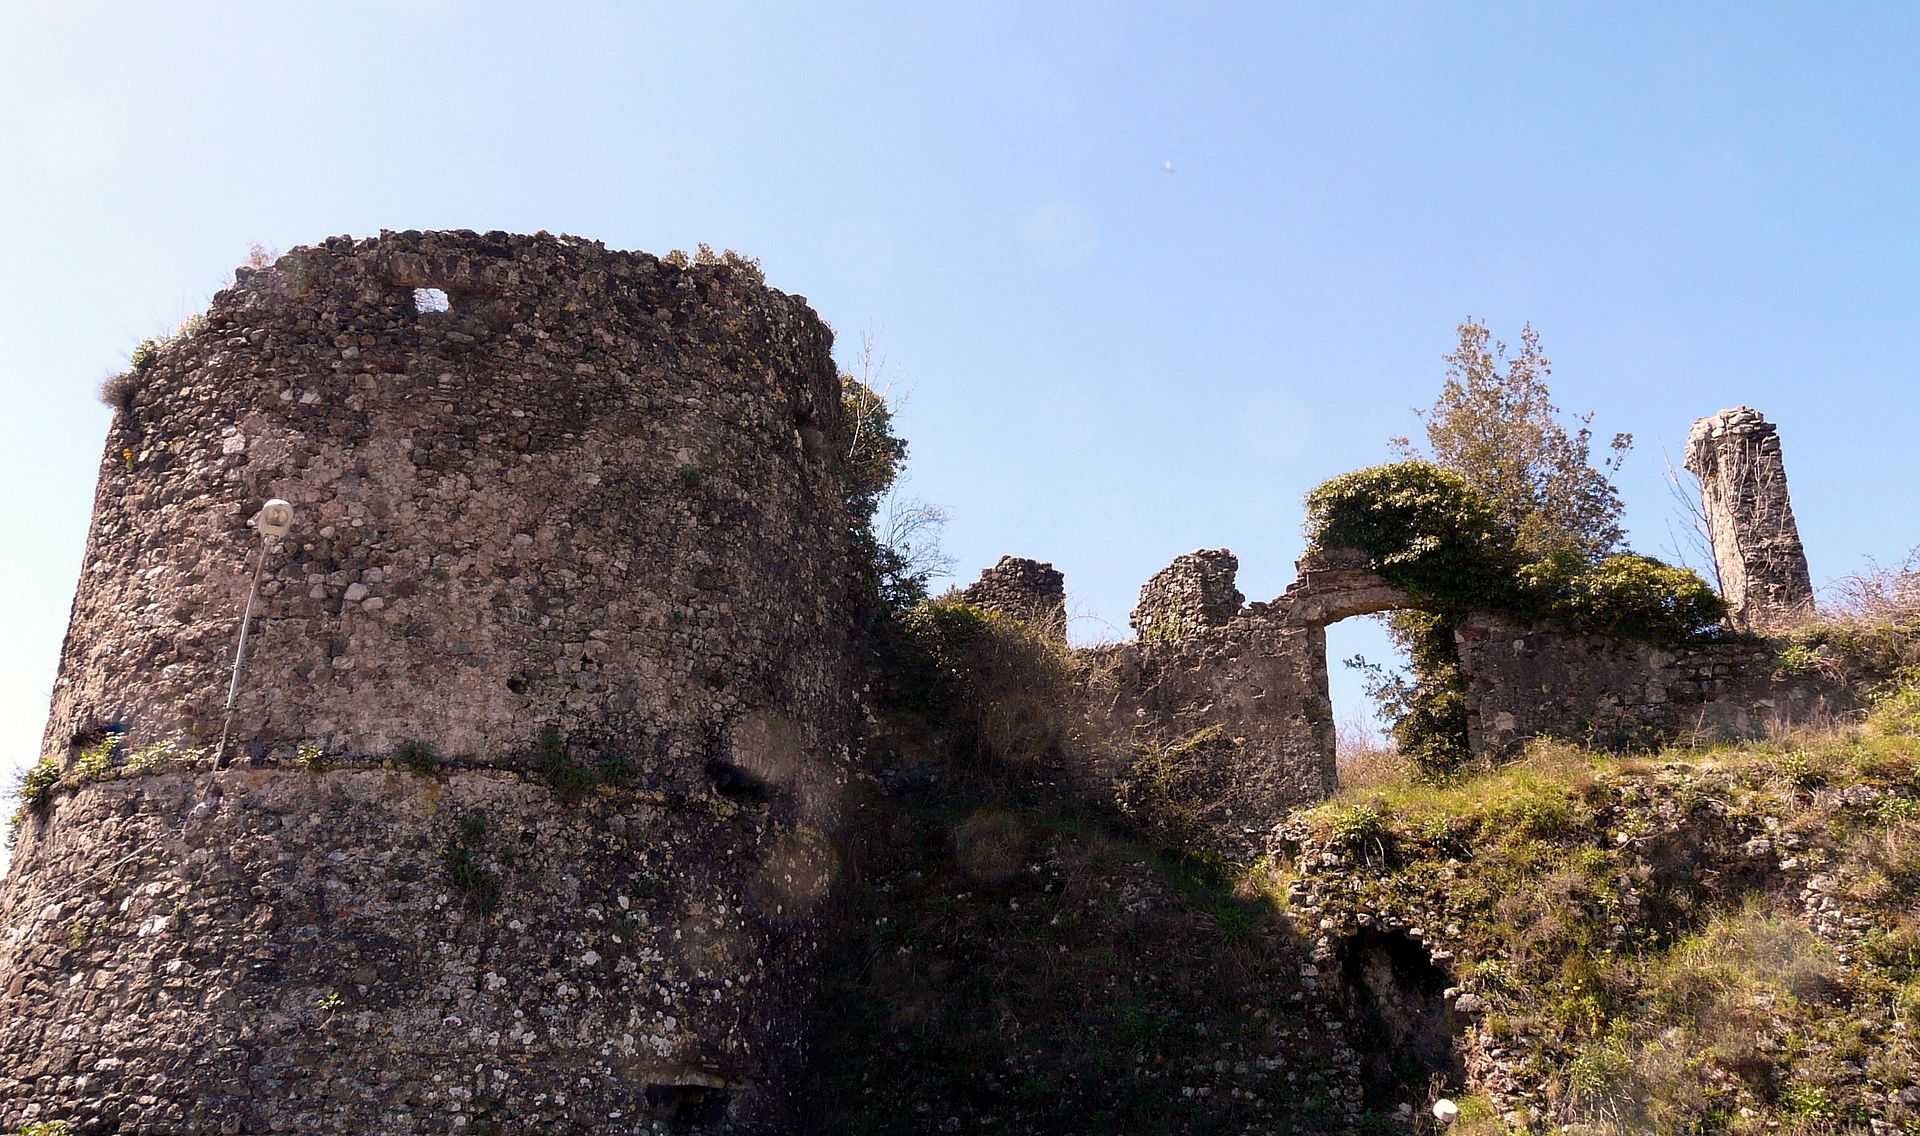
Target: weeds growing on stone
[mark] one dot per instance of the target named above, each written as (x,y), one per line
(417,757)
(95,762)
(468,870)
(33,790)
(1720,939)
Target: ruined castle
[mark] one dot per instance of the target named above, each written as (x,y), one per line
(523,798)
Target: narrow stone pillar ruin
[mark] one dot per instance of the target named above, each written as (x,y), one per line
(1756,544)
(1027,590)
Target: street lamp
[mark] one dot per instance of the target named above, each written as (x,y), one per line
(274,520)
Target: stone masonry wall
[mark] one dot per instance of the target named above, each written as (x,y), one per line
(1756,544)
(1025,589)
(1259,683)
(1525,680)
(584,498)
(590,514)
(1195,591)
(1255,678)
(270,950)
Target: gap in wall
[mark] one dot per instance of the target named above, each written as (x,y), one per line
(1362,743)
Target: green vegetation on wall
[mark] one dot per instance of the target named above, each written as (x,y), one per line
(1429,532)
(1695,941)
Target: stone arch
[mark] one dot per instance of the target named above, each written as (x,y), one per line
(1332,585)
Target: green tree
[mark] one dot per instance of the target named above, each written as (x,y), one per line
(1495,423)
(876,454)
(898,538)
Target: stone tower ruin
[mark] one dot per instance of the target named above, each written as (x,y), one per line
(540,729)
(1756,544)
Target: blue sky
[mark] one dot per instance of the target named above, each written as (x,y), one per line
(1104,364)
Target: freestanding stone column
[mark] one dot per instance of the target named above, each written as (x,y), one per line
(1743,489)
(542,726)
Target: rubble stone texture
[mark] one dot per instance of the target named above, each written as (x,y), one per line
(1756,544)
(1195,591)
(1259,678)
(1525,680)
(587,518)
(544,724)
(1025,589)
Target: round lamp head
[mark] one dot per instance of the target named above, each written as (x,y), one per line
(275,518)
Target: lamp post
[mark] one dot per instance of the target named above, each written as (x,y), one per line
(274,520)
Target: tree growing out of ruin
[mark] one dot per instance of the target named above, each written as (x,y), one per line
(1495,424)
(1505,511)
(896,537)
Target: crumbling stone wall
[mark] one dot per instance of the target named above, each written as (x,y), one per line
(1027,590)
(1249,684)
(589,517)
(1756,544)
(1255,690)
(1526,680)
(1195,591)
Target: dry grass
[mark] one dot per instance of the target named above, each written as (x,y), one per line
(1364,755)
(1650,975)
(1882,595)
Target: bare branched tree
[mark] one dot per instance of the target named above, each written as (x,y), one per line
(1883,594)
(910,529)
(1692,542)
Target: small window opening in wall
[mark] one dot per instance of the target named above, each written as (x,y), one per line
(427,300)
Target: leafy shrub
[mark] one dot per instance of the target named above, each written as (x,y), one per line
(34,789)
(1428,716)
(96,761)
(1629,595)
(1426,530)
(1810,1101)
(1359,825)
(144,356)
(1797,659)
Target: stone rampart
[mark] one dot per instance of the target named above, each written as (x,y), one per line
(1257,689)
(1526,680)
(570,549)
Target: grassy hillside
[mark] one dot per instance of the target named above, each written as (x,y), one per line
(1721,939)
